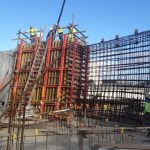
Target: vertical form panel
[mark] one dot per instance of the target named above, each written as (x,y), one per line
(61,73)
(49,42)
(18,64)
(73,73)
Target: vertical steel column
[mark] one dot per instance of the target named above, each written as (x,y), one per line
(49,46)
(17,69)
(73,73)
(85,92)
(61,73)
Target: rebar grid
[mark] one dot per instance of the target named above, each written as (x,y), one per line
(119,77)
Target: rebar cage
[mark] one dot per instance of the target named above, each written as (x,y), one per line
(119,77)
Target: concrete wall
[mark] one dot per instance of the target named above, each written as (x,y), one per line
(6,64)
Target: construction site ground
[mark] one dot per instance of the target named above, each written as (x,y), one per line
(46,135)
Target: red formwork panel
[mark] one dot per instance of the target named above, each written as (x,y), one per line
(62,76)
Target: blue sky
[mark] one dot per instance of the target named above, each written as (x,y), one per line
(100,18)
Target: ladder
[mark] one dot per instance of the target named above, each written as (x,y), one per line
(34,74)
